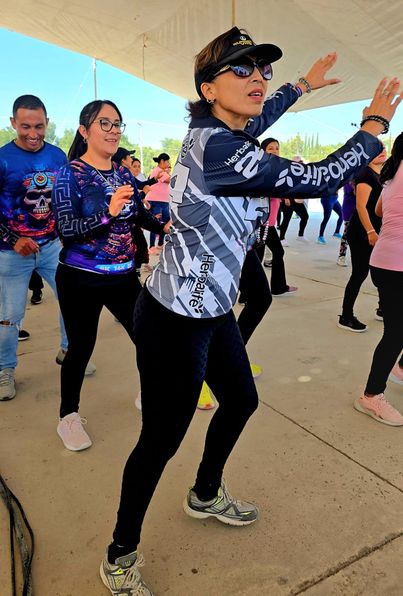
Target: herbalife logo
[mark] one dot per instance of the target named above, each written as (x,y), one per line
(314,175)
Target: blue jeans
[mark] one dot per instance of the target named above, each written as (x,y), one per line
(329,204)
(159,209)
(15,273)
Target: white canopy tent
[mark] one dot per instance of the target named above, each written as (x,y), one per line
(157,40)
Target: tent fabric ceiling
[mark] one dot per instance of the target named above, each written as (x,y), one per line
(157,40)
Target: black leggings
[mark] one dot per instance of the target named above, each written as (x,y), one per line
(278,282)
(81,297)
(287,212)
(255,293)
(360,250)
(390,288)
(187,351)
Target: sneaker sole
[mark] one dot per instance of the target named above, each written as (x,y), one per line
(87,373)
(103,577)
(359,408)
(222,518)
(341,264)
(378,318)
(353,330)
(206,407)
(10,397)
(395,379)
(70,448)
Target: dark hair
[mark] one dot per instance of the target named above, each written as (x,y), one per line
(87,117)
(211,54)
(393,162)
(267,141)
(28,102)
(161,156)
(135,159)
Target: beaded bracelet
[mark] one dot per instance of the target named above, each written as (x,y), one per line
(379,119)
(306,84)
(370,231)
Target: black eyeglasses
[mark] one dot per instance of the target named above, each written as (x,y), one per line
(246,66)
(106,125)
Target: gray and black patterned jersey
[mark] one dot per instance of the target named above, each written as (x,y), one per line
(216,204)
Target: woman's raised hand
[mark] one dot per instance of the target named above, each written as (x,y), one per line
(316,74)
(119,199)
(384,103)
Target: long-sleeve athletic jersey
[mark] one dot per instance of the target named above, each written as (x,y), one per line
(92,238)
(26,182)
(216,205)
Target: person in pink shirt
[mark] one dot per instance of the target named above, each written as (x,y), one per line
(386,266)
(158,197)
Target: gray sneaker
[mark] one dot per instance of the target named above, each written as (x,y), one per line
(224,507)
(124,578)
(7,384)
(90,368)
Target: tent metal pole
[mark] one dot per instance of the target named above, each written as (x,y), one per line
(233,13)
(94,72)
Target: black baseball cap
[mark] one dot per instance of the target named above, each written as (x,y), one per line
(121,153)
(238,44)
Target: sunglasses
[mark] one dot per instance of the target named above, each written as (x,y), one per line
(246,67)
(106,125)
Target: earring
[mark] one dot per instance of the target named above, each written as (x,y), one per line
(211,101)
(85,140)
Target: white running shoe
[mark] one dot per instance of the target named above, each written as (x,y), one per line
(70,430)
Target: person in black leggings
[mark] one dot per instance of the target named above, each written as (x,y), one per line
(96,205)
(183,317)
(361,235)
(288,207)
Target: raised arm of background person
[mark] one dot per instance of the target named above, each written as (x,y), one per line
(235,165)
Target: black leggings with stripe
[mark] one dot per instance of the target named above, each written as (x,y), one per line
(187,351)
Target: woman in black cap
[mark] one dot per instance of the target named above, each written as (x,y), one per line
(183,317)
(158,197)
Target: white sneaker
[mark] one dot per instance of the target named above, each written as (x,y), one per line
(284,242)
(89,369)
(70,430)
(7,384)
(342,261)
(137,401)
(302,239)
(396,374)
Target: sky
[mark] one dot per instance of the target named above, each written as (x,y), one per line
(64,82)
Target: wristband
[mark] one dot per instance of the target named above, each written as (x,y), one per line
(370,231)
(306,84)
(379,119)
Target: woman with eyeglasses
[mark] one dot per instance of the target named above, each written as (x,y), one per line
(96,205)
(216,206)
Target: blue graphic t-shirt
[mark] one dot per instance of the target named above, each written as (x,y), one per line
(26,182)
(92,239)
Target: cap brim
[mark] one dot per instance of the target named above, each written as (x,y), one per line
(268,51)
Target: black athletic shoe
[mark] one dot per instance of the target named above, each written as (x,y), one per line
(36,297)
(378,314)
(23,335)
(352,324)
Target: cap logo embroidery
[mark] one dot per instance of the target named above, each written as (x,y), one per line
(243,42)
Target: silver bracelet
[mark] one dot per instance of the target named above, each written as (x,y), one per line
(306,84)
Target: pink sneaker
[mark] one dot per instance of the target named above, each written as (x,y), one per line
(70,430)
(396,374)
(291,290)
(379,408)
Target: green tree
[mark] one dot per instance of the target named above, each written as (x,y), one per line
(66,140)
(6,135)
(51,134)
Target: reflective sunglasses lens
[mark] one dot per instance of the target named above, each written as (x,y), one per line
(265,70)
(242,70)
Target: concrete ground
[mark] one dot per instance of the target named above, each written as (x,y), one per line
(328,480)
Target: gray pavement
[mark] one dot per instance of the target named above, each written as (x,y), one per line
(327,479)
